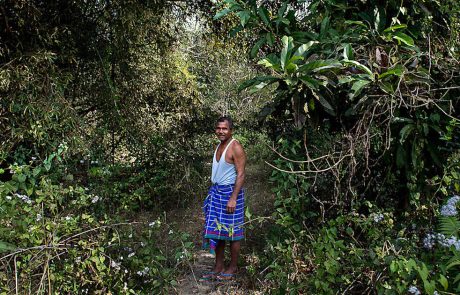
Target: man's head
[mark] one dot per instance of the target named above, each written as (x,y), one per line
(226,118)
(224,128)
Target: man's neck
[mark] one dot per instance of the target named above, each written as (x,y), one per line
(225,142)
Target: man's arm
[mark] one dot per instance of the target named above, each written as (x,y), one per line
(239,159)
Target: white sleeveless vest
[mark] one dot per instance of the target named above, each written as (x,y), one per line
(223,173)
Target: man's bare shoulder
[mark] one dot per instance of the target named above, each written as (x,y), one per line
(237,145)
(237,148)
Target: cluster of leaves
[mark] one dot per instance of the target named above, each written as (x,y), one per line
(58,237)
(365,99)
(105,78)
(350,253)
(432,269)
(363,251)
(365,68)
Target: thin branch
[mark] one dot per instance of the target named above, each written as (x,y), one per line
(446,88)
(98,228)
(310,171)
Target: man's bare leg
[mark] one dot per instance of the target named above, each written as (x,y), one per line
(220,251)
(234,253)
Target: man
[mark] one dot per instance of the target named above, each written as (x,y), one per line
(224,205)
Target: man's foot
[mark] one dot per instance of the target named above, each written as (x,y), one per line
(208,276)
(226,276)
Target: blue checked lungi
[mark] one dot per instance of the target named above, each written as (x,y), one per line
(219,224)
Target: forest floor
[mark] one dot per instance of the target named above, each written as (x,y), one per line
(259,200)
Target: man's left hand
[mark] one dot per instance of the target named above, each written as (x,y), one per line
(231,205)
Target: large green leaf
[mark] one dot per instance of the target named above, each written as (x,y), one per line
(291,67)
(345,79)
(294,58)
(443,281)
(304,37)
(271,61)
(326,105)
(286,51)
(357,87)
(452,264)
(394,28)
(270,38)
(319,65)
(406,39)
(379,19)
(231,7)
(449,226)
(324,26)
(361,67)
(398,70)
(282,9)
(282,20)
(244,16)
(264,15)
(304,48)
(222,13)
(257,80)
(405,132)
(258,87)
(310,82)
(347,52)
(255,49)
(354,22)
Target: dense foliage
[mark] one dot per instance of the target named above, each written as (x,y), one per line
(105,114)
(366,100)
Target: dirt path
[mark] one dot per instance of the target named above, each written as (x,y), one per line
(260,202)
(191,283)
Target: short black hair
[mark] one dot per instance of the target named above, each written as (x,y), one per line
(226,118)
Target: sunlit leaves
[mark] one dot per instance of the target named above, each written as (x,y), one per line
(348,52)
(271,61)
(357,87)
(398,70)
(360,67)
(286,51)
(404,38)
(319,65)
(244,17)
(258,82)
(304,48)
(394,28)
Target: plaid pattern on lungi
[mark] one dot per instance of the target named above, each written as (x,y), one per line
(219,224)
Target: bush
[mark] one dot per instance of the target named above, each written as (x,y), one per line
(55,237)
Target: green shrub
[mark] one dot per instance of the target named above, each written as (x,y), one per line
(55,238)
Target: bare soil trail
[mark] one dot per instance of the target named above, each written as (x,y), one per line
(259,200)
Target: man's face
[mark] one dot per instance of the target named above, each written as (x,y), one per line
(223,132)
